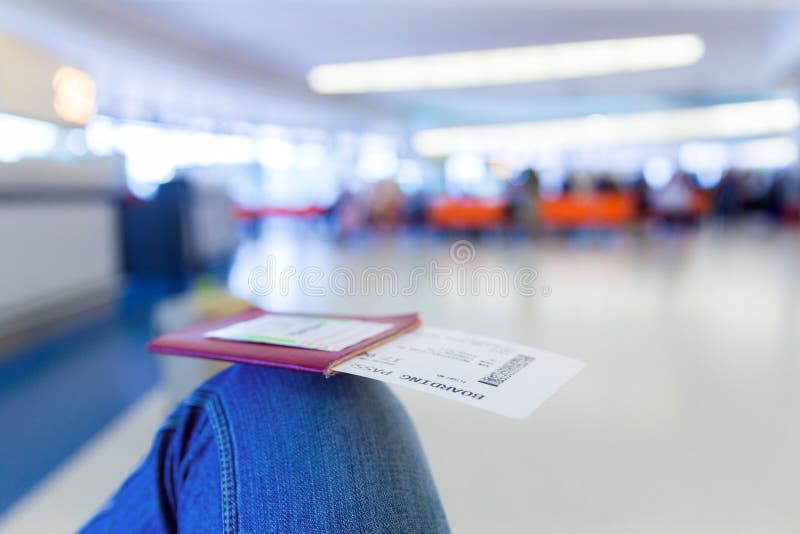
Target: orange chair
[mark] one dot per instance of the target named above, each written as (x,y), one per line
(577,210)
(466,213)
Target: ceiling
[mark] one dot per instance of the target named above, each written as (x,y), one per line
(248,60)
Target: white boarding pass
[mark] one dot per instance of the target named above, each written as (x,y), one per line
(498,376)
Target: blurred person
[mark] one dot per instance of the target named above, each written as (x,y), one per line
(523,199)
(349,213)
(606,184)
(755,188)
(674,202)
(791,196)
(641,192)
(726,199)
(416,208)
(582,181)
(386,205)
(258,449)
(568,184)
(774,198)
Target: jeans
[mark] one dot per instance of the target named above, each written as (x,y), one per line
(256,449)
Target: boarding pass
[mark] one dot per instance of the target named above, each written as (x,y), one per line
(505,378)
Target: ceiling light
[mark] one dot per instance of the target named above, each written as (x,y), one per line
(74,98)
(503,66)
(726,121)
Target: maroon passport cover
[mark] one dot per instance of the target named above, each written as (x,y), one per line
(190,342)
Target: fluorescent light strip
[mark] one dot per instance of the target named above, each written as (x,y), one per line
(508,65)
(726,121)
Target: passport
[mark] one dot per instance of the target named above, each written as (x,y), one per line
(196,342)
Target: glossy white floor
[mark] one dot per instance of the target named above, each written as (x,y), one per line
(684,420)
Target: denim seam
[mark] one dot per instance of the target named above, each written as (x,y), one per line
(219,424)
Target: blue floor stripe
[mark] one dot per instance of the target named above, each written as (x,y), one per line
(58,393)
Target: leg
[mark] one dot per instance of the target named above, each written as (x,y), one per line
(264,450)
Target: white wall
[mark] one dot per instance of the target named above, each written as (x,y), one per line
(58,240)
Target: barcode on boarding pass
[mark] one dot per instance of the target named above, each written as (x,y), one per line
(507,370)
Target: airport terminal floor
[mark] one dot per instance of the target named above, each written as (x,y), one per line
(684,419)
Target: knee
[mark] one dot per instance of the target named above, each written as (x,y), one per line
(256,393)
(300,443)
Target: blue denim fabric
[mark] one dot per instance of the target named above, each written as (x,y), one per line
(264,450)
